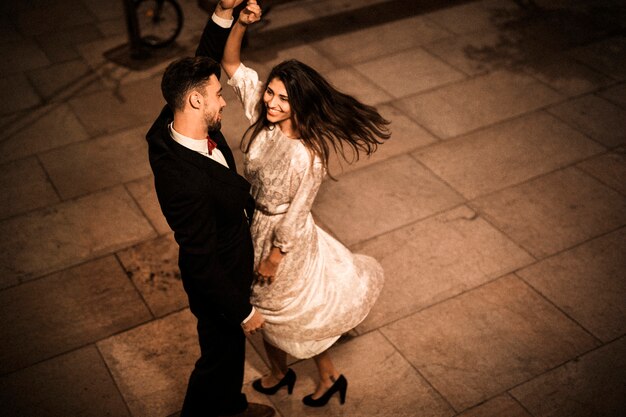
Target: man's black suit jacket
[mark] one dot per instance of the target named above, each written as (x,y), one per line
(204,203)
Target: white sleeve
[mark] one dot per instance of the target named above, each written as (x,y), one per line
(221,22)
(245,82)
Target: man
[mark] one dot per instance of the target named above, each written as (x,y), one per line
(205,201)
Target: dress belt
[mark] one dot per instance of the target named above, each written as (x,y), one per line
(279,209)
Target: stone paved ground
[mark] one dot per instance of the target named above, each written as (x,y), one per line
(497,209)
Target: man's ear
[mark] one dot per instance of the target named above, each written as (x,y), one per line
(195,99)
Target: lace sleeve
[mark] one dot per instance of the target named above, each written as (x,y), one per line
(245,82)
(308,181)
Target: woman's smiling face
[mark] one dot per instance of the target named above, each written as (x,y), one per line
(277,102)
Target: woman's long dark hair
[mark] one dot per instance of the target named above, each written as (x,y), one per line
(324,116)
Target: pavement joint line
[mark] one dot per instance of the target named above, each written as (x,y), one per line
(143,212)
(137,291)
(600,180)
(595,338)
(113,380)
(48,178)
(417,371)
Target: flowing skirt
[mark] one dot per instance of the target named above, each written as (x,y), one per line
(321,289)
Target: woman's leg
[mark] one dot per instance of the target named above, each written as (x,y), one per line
(327,371)
(278,365)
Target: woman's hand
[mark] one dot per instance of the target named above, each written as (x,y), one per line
(251,14)
(266,272)
(256,322)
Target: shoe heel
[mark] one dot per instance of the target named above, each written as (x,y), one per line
(342,393)
(291,384)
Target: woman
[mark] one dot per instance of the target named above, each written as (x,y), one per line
(309,287)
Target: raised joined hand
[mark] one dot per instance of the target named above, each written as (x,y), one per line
(229,4)
(251,14)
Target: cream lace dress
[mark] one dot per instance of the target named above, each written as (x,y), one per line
(321,289)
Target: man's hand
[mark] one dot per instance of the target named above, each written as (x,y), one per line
(224,8)
(229,4)
(255,323)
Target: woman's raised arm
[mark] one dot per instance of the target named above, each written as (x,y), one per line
(232,50)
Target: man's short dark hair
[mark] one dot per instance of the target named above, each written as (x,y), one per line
(186,74)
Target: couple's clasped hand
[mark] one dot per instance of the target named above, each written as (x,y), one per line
(266,274)
(256,322)
(251,13)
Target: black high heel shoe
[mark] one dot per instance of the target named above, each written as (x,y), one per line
(289,379)
(341,385)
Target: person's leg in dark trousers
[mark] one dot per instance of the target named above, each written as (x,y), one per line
(215,383)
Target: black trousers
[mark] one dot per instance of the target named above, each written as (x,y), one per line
(215,383)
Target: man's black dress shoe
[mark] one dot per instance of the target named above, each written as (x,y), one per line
(256,410)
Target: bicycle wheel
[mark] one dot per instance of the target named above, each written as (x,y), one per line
(160,22)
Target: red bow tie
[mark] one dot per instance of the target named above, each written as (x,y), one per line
(210,144)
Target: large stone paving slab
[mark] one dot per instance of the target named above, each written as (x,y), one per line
(24,186)
(610,168)
(436,259)
(65,80)
(69,233)
(351,82)
(466,52)
(144,194)
(60,45)
(330,7)
(380,198)
(109,58)
(409,72)
(17,94)
(265,59)
(475,15)
(76,384)
(567,76)
(104,11)
(473,347)
(92,165)
(21,56)
(506,154)
(58,313)
(8,33)
(406,136)
(153,268)
(607,56)
(384,39)
(587,283)
(42,16)
(595,116)
(131,105)
(465,106)
(616,94)
(380,383)
(151,364)
(36,131)
(287,14)
(554,212)
(500,406)
(592,385)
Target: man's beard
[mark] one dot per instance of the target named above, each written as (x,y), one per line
(213,122)
(214,126)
